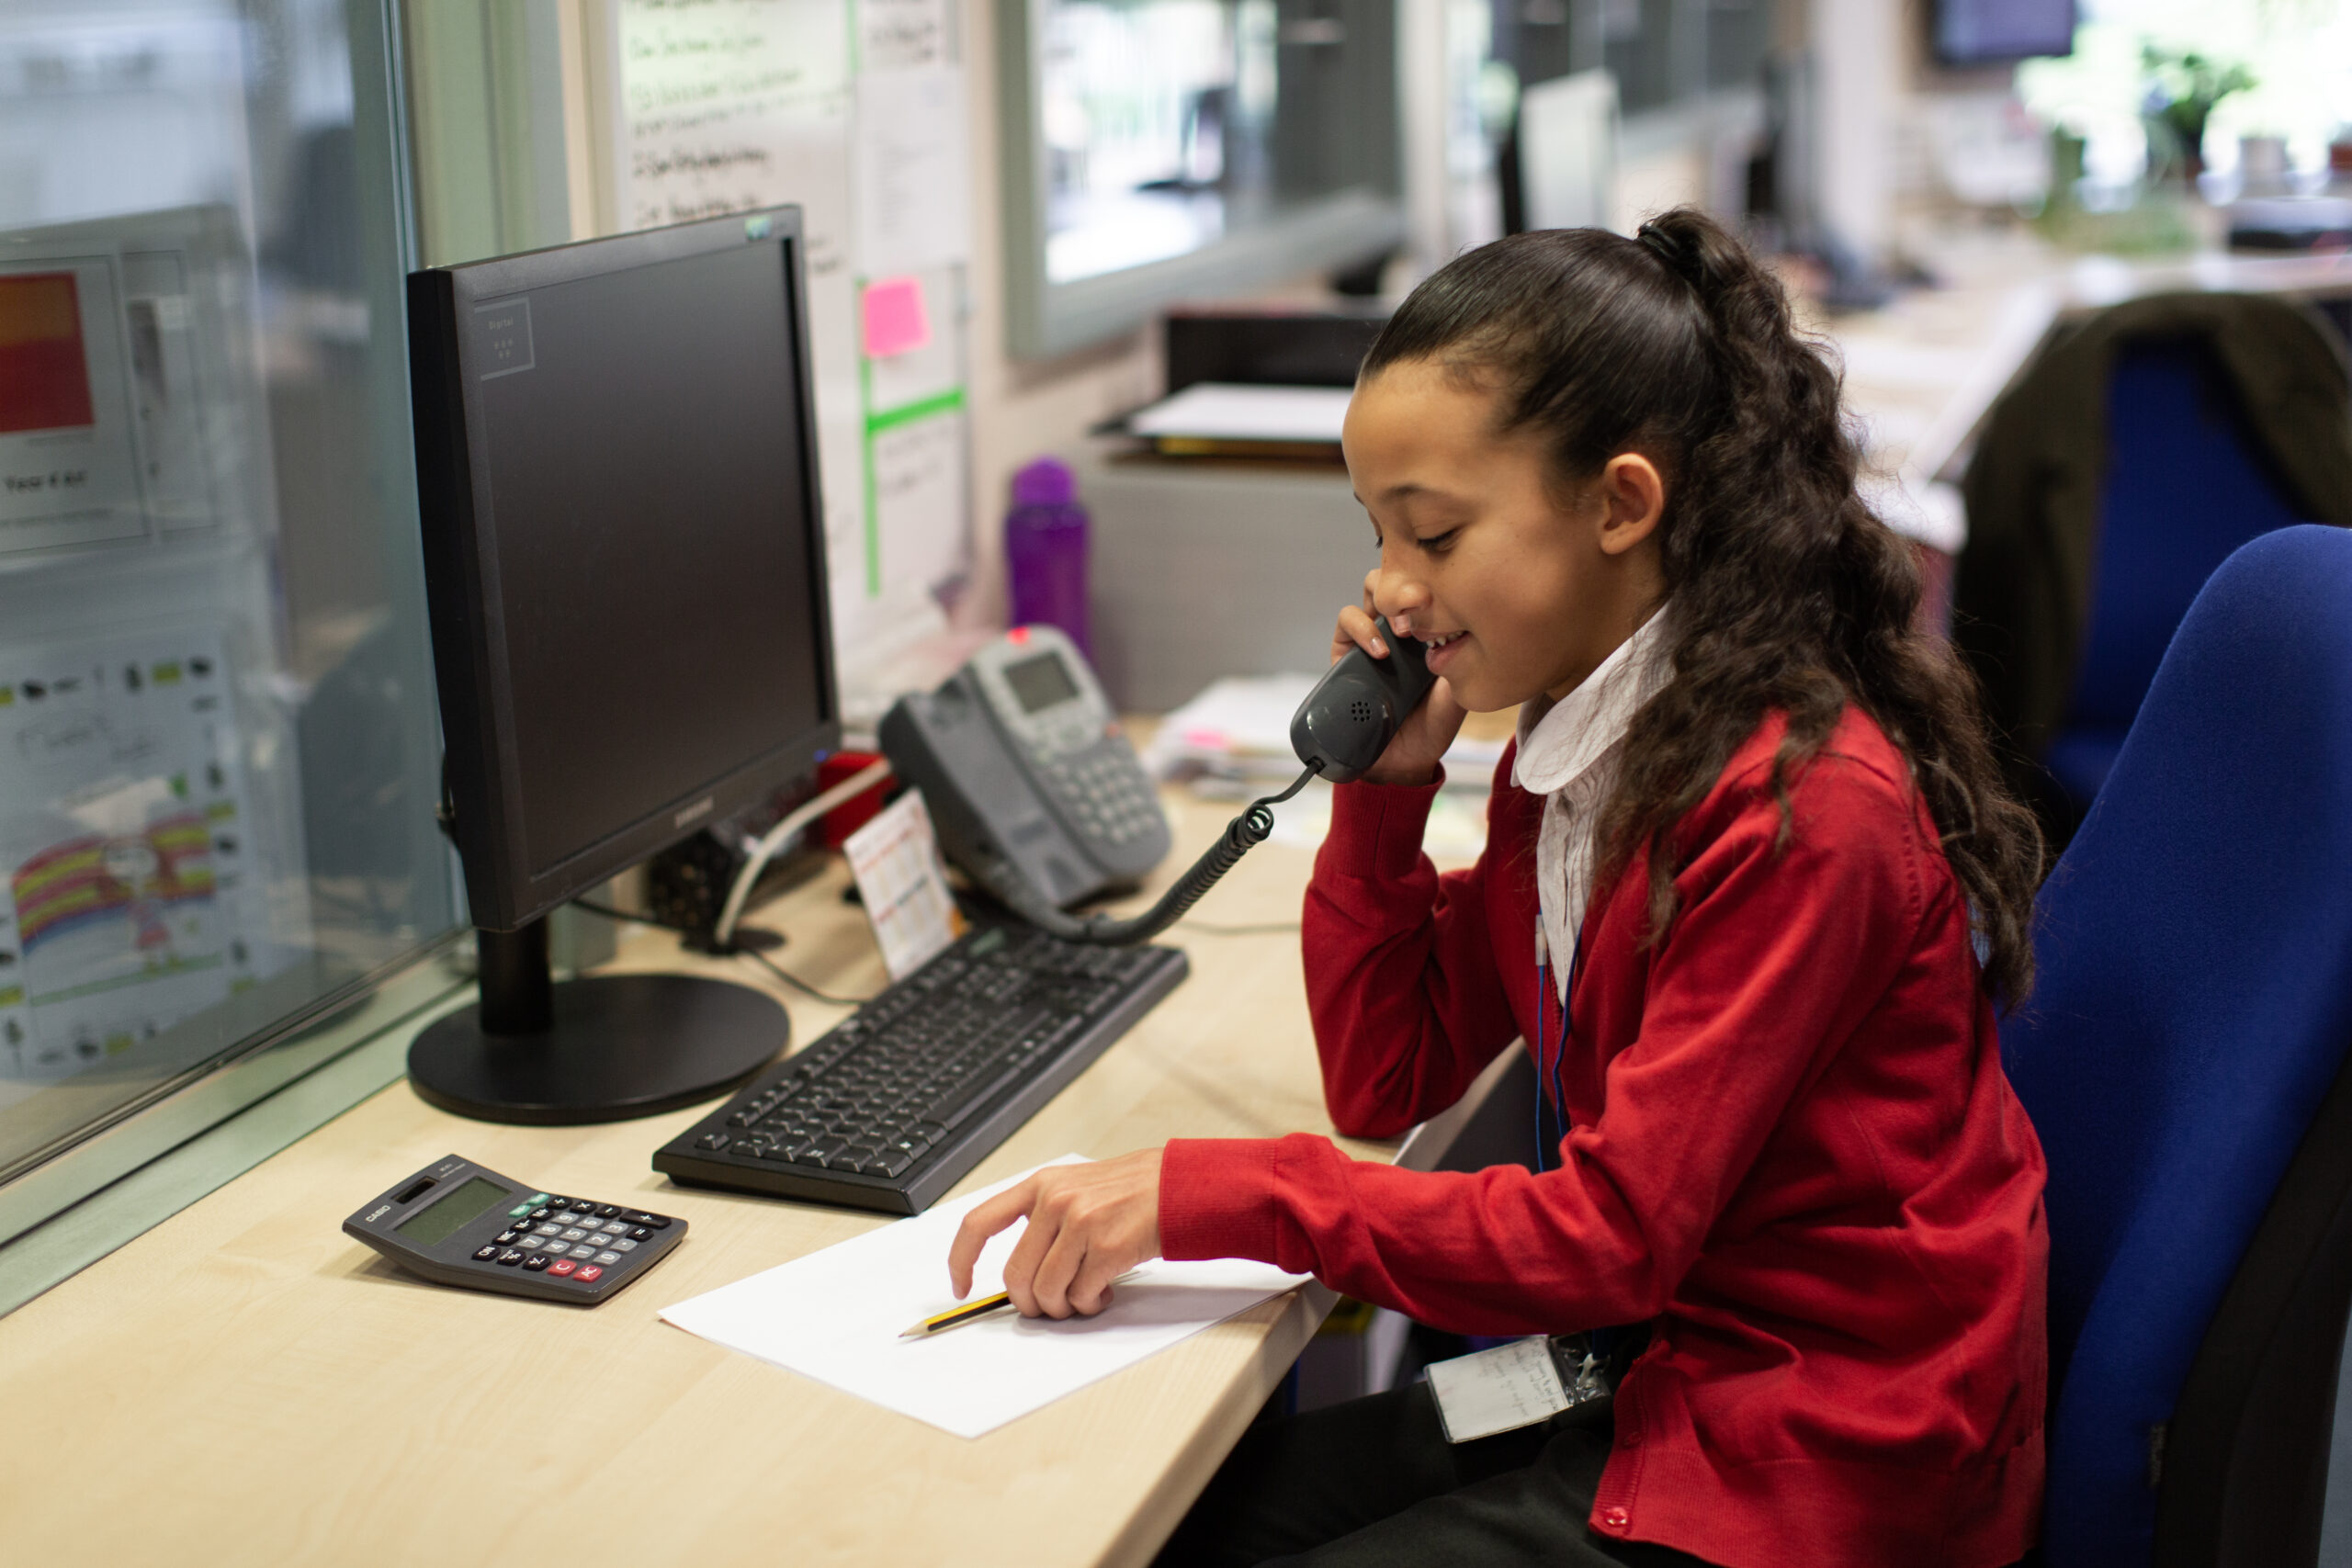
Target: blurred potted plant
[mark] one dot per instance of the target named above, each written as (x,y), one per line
(2183,87)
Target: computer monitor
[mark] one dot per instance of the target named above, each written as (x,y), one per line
(1567,144)
(1995,32)
(624,549)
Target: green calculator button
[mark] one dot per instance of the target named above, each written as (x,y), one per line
(524,1207)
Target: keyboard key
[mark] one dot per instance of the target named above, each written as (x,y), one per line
(608,1258)
(535,1264)
(711,1141)
(485,1253)
(624,1245)
(509,1258)
(587,1273)
(651,1222)
(639,1233)
(564,1270)
(606,1211)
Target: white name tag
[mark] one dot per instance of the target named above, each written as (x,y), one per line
(1499,1389)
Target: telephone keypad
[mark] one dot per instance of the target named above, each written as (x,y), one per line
(1106,793)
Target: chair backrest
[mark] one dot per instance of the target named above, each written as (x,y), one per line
(2186,482)
(2194,1008)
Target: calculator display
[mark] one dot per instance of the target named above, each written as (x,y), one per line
(441,1221)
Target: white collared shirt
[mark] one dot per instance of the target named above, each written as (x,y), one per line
(1567,754)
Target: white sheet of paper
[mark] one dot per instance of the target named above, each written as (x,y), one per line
(835,1315)
(913,185)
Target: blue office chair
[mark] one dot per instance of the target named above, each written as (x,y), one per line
(2144,445)
(2183,1059)
(2186,484)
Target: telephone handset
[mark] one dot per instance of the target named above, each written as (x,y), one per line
(1352,714)
(1040,798)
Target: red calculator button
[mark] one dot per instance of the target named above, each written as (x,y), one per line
(587,1273)
(561,1267)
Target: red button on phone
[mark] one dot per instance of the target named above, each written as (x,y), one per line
(563,1266)
(587,1273)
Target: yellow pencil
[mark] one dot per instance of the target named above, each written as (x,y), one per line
(955,1317)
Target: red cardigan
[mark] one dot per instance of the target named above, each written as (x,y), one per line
(1792,1147)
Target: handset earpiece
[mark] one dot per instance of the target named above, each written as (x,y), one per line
(1352,714)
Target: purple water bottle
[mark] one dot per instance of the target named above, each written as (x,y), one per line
(1044,548)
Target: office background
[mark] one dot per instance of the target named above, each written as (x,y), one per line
(214,678)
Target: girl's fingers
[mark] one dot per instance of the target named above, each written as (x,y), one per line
(1028,1256)
(983,1222)
(1356,629)
(1057,1271)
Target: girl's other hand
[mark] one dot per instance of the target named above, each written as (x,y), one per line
(1087,1224)
(1413,757)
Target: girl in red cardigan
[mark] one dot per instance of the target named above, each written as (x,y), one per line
(1749,892)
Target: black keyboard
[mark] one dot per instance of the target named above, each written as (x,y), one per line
(889,1108)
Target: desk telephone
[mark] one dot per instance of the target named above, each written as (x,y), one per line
(1038,795)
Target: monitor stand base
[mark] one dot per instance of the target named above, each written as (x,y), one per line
(602,1048)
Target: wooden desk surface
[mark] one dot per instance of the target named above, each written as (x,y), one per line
(246,1384)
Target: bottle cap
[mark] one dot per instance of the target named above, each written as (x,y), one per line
(1045,482)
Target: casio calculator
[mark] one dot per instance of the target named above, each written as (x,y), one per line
(459,1224)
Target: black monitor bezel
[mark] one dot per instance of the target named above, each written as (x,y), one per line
(481,769)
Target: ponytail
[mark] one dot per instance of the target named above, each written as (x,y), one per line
(1790,595)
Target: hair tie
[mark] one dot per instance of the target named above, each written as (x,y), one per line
(1670,249)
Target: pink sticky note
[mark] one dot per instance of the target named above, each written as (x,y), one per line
(895,322)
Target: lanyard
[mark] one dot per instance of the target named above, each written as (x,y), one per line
(1568,1033)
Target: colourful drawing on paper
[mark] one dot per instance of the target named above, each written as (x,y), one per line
(93,879)
(125,903)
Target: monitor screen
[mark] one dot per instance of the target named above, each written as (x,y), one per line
(652,566)
(1976,32)
(645,541)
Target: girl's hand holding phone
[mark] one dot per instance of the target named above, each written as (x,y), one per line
(1413,757)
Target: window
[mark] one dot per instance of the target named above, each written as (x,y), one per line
(1159,149)
(218,741)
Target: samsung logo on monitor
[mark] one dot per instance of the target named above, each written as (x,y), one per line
(700,808)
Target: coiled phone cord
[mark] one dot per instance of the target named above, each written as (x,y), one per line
(1244,833)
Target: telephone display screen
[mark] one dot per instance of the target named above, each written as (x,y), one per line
(1040,682)
(439,1222)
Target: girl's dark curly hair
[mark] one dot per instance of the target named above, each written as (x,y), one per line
(1789,592)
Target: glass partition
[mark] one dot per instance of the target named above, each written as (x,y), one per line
(1157,149)
(217,746)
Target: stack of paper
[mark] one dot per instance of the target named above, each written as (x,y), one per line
(1217,412)
(835,1316)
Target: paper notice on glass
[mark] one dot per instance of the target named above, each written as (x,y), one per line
(835,1316)
(896,861)
(69,453)
(130,892)
(913,188)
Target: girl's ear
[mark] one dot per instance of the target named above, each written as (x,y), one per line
(1633,495)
